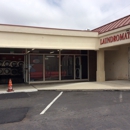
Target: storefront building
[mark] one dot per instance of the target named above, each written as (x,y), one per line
(44,55)
(114,50)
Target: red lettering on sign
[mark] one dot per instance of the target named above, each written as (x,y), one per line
(115,38)
(126,36)
(118,37)
(122,36)
(128,33)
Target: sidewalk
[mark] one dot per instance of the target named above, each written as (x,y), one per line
(123,85)
(86,86)
(18,88)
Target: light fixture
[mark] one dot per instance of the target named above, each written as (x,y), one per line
(52,52)
(59,50)
(49,56)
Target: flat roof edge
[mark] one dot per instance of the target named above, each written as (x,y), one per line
(46,31)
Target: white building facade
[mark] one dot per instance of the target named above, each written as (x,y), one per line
(44,55)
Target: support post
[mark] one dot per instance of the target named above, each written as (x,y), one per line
(100,66)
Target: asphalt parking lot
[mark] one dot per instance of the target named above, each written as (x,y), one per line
(101,110)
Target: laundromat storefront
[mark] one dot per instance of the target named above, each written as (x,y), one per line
(37,66)
(48,55)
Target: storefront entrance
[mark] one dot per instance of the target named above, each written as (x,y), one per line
(45,66)
(57,66)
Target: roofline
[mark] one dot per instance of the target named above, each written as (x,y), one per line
(110,30)
(43,27)
(109,23)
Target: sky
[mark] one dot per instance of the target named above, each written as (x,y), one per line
(64,14)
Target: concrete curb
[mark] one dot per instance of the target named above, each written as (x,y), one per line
(83,90)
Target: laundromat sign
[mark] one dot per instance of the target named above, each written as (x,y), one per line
(115,38)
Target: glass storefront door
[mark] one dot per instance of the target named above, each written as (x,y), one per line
(36,67)
(84,70)
(26,73)
(55,67)
(78,67)
(52,67)
(67,67)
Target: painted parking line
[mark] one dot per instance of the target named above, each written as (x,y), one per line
(49,105)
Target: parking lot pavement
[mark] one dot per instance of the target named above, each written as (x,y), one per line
(104,110)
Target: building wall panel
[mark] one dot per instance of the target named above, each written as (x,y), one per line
(21,40)
(116,63)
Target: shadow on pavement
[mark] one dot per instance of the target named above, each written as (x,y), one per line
(13,95)
(13,115)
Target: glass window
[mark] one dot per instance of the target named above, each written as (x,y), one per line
(78,67)
(67,67)
(36,68)
(11,50)
(81,67)
(84,62)
(44,51)
(52,67)
(84,52)
(70,51)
